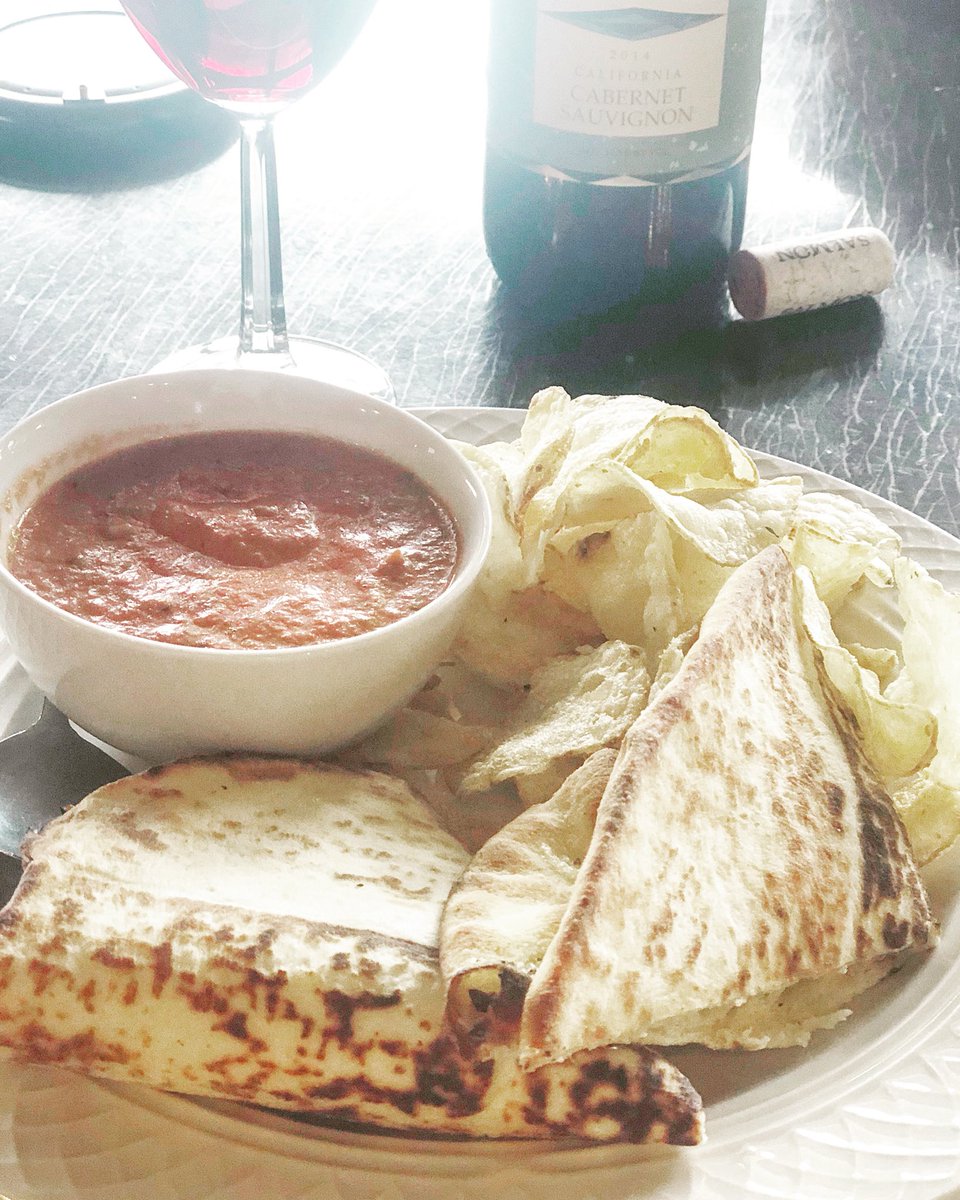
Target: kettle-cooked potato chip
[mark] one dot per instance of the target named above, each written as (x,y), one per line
(577,704)
(647,576)
(881,660)
(511,640)
(425,741)
(678,449)
(627,579)
(503,570)
(727,528)
(929,802)
(511,629)
(684,449)
(840,542)
(898,737)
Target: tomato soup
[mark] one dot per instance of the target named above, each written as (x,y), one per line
(238,540)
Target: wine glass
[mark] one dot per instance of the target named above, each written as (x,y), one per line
(253,58)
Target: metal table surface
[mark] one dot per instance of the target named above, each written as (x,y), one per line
(112,260)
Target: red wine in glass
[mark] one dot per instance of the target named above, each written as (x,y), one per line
(250,53)
(254,57)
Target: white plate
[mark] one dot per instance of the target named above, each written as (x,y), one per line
(871,1111)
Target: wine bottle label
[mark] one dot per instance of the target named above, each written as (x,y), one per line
(630,72)
(622,92)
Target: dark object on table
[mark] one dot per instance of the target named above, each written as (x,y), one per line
(44,769)
(847,337)
(618,143)
(86,105)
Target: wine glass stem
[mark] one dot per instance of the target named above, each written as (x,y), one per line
(263,320)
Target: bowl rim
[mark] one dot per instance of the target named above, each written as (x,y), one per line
(468,566)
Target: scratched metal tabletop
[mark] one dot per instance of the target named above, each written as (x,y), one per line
(111,260)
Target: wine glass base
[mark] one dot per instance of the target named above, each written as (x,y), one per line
(310,357)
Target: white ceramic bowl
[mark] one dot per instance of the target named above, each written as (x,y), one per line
(160,701)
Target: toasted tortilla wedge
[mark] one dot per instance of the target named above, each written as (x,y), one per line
(265,930)
(504,910)
(743,846)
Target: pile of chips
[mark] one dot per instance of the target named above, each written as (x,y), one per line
(616,522)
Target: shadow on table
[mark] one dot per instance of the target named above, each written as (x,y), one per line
(627,348)
(842,338)
(688,352)
(51,152)
(9,877)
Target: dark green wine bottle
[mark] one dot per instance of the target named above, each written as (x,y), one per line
(618,145)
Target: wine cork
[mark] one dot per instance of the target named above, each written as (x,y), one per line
(797,276)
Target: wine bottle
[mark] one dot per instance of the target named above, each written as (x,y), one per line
(618,145)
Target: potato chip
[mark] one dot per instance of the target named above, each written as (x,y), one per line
(881,660)
(541,469)
(679,448)
(671,661)
(511,629)
(840,542)
(631,512)
(414,738)
(503,570)
(930,810)
(897,737)
(577,704)
(684,449)
(929,802)
(930,646)
(538,788)
(648,577)
(726,528)
(628,580)
(597,427)
(549,417)
(510,641)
